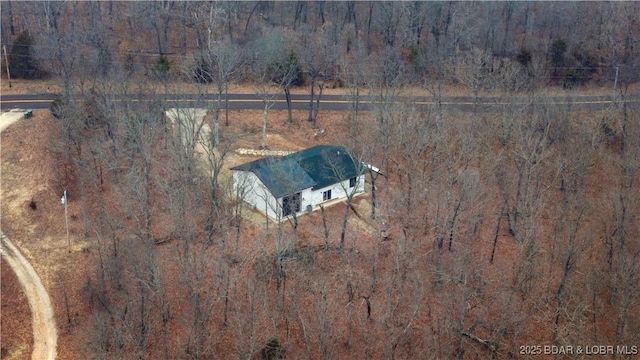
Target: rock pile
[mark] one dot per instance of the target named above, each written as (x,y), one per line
(243,151)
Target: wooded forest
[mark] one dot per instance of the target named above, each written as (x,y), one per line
(487,232)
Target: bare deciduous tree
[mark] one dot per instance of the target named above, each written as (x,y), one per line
(317,57)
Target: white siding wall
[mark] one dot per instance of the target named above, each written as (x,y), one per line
(247,185)
(307,199)
(338,191)
(254,192)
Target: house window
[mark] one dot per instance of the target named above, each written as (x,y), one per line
(326,195)
(291,204)
(352,182)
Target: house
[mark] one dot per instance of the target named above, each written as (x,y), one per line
(299,182)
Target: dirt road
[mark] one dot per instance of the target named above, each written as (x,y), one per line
(45,334)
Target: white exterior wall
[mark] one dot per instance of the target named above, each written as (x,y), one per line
(247,185)
(307,199)
(337,191)
(256,194)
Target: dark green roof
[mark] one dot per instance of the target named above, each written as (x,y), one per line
(316,167)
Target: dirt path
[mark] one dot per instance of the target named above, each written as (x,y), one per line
(45,334)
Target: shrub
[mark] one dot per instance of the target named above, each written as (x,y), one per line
(418,59)
(272,350)
(524,57)
(287,71)
(265,267)
(558,48)
(298,76)
(588,63)
(202,71)
(129,65)
(57,107)
(609,132)
(307,255)
(571,79)
(162,67)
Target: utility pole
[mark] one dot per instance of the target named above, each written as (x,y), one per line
(66,218)
(6,60)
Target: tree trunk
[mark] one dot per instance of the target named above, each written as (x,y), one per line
(216,121)
(10,15)
(183,37)
(495,239)
(226,106)
(313,87)
(326,230)
(369,22)
(246,26)
(264,126)
(452,226)
(343,232)
(147,208)
(623,133)
(216,126)
(315,112)
(287,94)
(373,194)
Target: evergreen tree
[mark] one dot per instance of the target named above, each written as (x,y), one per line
(21,62)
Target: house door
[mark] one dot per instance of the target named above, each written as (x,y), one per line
(291,204)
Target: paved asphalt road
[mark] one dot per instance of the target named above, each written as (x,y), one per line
(327,102)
